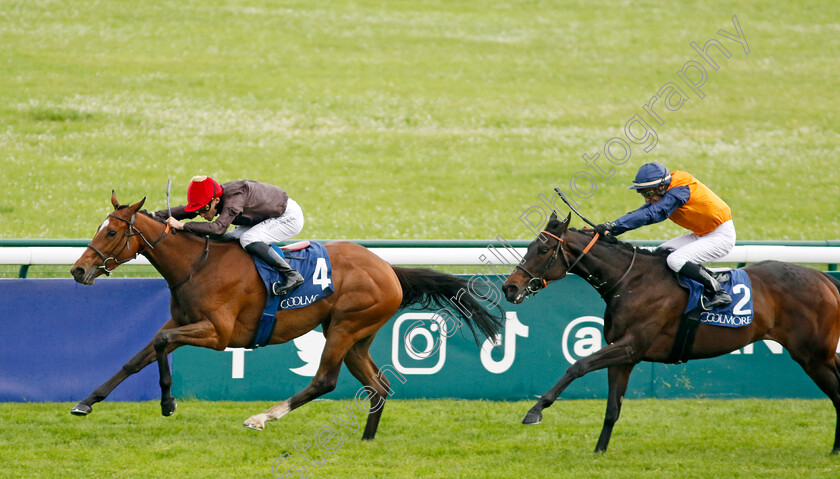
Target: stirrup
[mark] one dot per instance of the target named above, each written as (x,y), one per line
(282,287)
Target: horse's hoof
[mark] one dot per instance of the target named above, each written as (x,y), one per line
(255,423)
(532,418)
(81,410)
(168,406)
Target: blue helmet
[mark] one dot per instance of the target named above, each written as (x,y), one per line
(651,175)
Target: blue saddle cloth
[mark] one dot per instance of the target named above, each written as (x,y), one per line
(313,263)
(737,314)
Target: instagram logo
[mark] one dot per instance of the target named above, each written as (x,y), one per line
(419,340)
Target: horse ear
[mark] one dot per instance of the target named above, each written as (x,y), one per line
(136,206)
(114,200)
(553,216)
(564,225)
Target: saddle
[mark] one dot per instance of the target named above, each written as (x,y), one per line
(296,246)
(737,314)
(313,262)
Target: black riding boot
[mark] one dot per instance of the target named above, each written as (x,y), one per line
(291,278)
(717,296)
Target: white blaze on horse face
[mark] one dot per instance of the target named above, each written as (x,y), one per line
(104,224)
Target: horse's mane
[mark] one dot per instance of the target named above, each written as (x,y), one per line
(613,242)
(213,239)
(159,220)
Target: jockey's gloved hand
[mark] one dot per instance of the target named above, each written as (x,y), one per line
(603,229)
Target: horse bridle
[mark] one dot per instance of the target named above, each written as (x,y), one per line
(537,283)
(131,232)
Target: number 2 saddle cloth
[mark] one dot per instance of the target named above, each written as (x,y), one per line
(737,314)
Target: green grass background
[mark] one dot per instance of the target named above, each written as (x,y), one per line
(414,120)
(410,119)
(437,439)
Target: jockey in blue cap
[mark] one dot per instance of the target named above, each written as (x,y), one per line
(691,204)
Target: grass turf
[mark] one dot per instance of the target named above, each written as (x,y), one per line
(411,119)
(414,120)
(422,438)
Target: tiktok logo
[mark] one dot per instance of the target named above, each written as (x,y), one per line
(513,328)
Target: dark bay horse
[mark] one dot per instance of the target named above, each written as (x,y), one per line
(217,299)
(796,306)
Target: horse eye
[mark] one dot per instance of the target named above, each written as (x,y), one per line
(111,233)
(542,250)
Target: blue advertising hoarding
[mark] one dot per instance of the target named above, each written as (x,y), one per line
(62,340)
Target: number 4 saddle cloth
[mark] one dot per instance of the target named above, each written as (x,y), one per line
(311,260)
(737,314)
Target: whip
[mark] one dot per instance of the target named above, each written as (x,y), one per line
(562,197)
(168,189)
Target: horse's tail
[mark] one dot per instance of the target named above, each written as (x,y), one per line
(426,287)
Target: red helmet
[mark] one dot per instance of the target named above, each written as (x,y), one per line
(201,192)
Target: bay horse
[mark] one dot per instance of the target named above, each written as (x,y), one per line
(796,306)
(217,299)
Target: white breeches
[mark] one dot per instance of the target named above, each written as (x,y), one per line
(701,249)
(272,230)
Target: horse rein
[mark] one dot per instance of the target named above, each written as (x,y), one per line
(617,283)
(131,232)
(195,267)
(537,283)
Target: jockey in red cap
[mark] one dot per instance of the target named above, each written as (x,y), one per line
(687,202)
(201,192)
(262,214)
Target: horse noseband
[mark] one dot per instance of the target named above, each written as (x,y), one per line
(130,231)
(535,284)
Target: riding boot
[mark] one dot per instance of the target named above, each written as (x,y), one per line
(717,296)
(290,277)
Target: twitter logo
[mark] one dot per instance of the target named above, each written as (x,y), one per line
(310,346)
